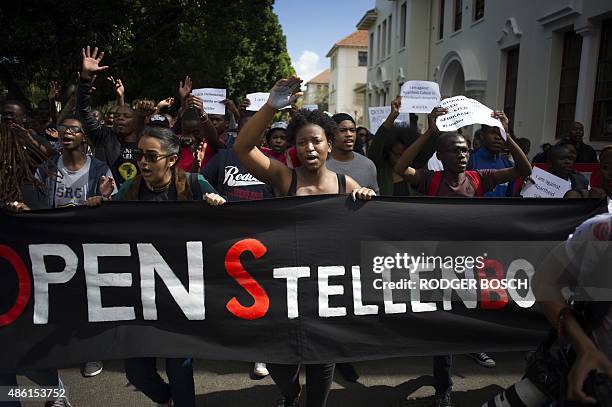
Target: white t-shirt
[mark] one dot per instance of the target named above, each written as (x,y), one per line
(72,186)
(590,252)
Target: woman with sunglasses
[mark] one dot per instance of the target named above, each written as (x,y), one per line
(74,177)
(313,133)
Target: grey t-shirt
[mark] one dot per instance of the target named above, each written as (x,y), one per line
(360,168)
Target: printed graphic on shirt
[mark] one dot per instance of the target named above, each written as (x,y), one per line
(233,178)
(126,165)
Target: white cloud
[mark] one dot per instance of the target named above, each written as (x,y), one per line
(307,66)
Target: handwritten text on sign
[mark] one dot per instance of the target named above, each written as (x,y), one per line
(211,98)
(463,112)
(419,96)
(545,185)
(378,115)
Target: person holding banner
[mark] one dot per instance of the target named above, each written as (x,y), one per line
(561,160)
(453,151)
(313,133)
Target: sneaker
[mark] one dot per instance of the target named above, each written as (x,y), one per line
(443,400)
(260,369)
(61,402)
(284,402)
(483,359)
(91,369)
(348,372)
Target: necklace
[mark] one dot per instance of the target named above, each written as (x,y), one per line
(160,189)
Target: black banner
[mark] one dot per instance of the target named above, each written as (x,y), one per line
(282,280)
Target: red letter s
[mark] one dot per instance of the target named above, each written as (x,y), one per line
(234,268)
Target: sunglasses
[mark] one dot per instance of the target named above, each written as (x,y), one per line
(71,129)
(150,157)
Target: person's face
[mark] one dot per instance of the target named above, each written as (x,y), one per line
(218,120)
(397,149)
(576,132)
(345,138)
(312,147)
(154,164)
(454,154)
(190,131)
(96,114)
(109,120)
(493,141)
(71,134)
(13,114)
(562,162)
(123,123)
(278,141)
(362,134)
(605,171)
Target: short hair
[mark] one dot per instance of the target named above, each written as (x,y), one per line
(166,136)
(557,149)
(444,137)
(15,102)
(305,117)
(606,150)
(405,135)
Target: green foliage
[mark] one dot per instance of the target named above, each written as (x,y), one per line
(150,45)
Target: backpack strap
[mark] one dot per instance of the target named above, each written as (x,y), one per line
(474,177)
(434,183)
(341,183)
(194,185)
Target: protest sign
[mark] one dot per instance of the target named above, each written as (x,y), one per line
(257,100)
(545,185)
(379,114)
(211,99)
(463,112)
(419,96)
(310,107)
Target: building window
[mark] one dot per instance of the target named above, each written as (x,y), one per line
(479,8)
(379,39)
(512,64)
(333,62)
(441,20)
(601,126)
(371,49)
(458,15)
(383,48)
(363,58)
(390,36)
(568,88)
(403,26)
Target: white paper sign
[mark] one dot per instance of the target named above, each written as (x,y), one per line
(257,100)
(545,185)
(463,112)
(310,107)
(378,115)
(419,96)
(212,99)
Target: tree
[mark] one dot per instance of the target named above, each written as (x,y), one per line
(150,45)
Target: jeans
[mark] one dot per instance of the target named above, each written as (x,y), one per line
(42,377)
(443,383)
(318,381)
(142,373)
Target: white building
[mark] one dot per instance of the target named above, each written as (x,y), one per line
(348,66)
(317,90)
(546,62)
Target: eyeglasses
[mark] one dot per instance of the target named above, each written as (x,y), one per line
(150,157)
(71,129)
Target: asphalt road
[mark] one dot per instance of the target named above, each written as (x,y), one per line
(404,382)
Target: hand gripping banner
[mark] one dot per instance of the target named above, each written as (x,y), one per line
(307,279)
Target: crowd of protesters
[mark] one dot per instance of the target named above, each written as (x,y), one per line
(83,155)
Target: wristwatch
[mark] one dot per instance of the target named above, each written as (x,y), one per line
(203,116)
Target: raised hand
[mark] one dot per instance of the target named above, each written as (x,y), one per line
(53,133)
(145,108)
(167,102)
(118,85)
(194,102)
(231,106)
(244,104)
(433,116)
(107,186)
(54,90)
(396,104)
(501,116)
(185,88)
(91,62)
(284,93)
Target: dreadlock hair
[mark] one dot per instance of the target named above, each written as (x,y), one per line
(18,163)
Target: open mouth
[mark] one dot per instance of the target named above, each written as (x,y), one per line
(67,139)
(311,158)
(146,172)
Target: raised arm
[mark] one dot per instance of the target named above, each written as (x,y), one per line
(522,167)
(119,90)
(90,65)
(403,165)
(207,129)
(54,90)
(271,172)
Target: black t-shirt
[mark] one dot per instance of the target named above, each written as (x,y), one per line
(145,194)
(126,166)
(229,177)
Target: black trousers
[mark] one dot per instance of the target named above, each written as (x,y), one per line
(318,381)
(142,373)
(443,382)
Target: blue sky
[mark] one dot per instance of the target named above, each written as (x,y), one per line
(313,26)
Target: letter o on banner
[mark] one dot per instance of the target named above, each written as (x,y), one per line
(25,285)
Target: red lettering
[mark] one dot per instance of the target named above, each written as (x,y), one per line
(24,282)
(234,269)
(486,294)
